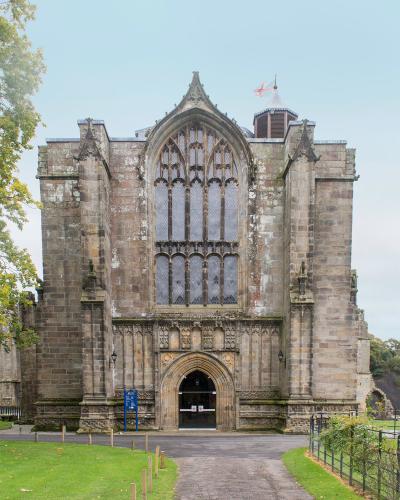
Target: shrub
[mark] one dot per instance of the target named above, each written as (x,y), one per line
(371,452)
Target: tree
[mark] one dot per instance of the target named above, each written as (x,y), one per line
(21,69)
(385,357)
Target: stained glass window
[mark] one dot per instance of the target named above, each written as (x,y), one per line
(162,272)
(214,276)
(230,279)
(196,279)
(231,221)
(178,279)
(162,211)
(196,212)
(178,212)
(196,227)
(214,211)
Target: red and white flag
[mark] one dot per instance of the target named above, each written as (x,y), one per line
(265,87)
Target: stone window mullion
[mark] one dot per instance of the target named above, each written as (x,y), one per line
(222,224)
(170,280)
(187,281)
(187,211)
(169,212)
(205,280)
(221,279)
(205,214)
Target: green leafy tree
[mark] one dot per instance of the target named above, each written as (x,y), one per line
(385,356)
(21,69)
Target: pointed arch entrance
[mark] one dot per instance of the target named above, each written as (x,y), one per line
(197,401)
(219,377)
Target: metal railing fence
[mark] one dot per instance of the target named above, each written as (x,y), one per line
(372,462)
(10,411)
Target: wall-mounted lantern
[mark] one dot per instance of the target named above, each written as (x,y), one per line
(113,358)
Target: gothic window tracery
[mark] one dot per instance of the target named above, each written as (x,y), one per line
(196,219)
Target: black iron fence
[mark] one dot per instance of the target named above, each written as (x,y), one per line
(10,412)
(370,460)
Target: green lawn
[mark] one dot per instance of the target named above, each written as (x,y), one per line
(73,471)
(385,424)
(5,425)
(314,479)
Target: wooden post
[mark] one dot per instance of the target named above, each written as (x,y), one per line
(133,444)
(112,438)
(63,433)
(156,460)
(133,491)
(162,460)
(146,442)
(144,484)
(90,438)
(36,437)
(150,470)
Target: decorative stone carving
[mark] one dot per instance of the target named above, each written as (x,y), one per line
(166,358)
(89,283)
(228,359)
(250,395)
(186,338)
(90,146)
(196,93)
(353,287)
(163,336)
(273,195)
(274,331)
(140,167)
(304,147)
(147,329)
(230,338)
(207,337)
(143,396)
(302,279)
(127,329)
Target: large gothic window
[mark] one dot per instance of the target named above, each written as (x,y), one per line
(196,220)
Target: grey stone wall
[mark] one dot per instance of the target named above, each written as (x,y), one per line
(10,376)
(59,361)
(130,224)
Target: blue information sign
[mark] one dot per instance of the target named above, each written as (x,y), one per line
(131,404)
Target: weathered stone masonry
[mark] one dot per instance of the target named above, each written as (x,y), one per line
(289,346)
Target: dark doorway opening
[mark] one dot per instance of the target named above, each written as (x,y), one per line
(197,402)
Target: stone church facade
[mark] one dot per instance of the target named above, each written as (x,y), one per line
(198,247)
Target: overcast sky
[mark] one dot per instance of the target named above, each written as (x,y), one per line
(128,62)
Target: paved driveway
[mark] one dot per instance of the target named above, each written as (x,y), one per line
(235,467)
(216,466)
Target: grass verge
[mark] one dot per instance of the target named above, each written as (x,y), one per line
(314,479)
(5,425)
(75,471)
(385,425)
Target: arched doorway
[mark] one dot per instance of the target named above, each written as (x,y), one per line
(211,367)
(197,402)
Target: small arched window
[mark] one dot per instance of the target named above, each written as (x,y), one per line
(196,219)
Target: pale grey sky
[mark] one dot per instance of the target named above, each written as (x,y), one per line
(129,61)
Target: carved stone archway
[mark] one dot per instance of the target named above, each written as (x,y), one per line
(219,374)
